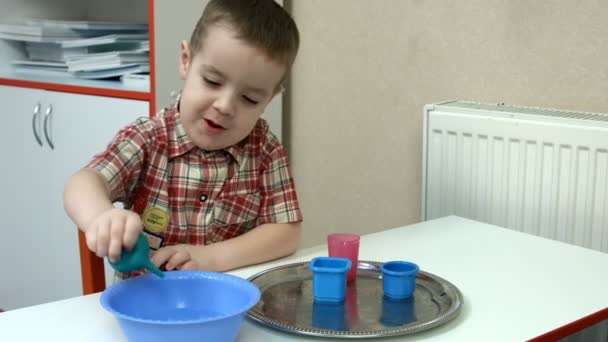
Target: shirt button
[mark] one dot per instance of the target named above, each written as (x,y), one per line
(203,197)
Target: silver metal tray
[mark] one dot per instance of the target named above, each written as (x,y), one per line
(287,304)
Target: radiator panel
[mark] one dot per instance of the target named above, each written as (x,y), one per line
(519,168)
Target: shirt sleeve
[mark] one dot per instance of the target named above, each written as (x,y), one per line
(122,161)
(279,198)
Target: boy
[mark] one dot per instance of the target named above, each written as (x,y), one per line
(205,180)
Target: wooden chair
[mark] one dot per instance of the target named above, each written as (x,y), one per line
(91,267)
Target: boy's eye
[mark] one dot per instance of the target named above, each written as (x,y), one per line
(211,82)
(250,100)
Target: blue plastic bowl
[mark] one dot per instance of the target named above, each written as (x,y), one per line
(183,306)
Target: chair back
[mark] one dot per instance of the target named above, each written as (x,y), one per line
(91,267)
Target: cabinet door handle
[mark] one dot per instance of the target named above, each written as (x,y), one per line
(35,118)
(47,122)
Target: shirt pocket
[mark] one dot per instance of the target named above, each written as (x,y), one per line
(236,210)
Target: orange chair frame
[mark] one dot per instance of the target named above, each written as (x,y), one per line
(92,268)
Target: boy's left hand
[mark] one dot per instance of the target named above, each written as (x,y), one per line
(178,257)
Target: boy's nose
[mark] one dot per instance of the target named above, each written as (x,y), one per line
(224,103)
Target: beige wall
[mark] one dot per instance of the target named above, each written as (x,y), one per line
(366,68)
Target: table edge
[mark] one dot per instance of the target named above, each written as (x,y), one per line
(573,327)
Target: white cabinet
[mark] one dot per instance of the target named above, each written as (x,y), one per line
(23,180)
(39,258)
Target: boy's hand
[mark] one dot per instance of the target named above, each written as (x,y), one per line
(112,231)
(180,257)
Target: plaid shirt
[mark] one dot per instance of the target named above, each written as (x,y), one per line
(209,196)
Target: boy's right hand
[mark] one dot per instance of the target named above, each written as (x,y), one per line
(112,231)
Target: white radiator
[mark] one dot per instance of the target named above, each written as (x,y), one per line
(540,171)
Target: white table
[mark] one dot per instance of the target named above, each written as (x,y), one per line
(515,286)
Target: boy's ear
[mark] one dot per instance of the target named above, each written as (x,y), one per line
(184,59)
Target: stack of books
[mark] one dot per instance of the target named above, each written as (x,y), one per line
(82,49)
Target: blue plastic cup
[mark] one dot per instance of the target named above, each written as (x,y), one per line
(329,278)
(399,279)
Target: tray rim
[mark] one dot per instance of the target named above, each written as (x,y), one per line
(452,312)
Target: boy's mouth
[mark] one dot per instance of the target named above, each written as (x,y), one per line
(214,127)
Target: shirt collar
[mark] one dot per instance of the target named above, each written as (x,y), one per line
(237,151)
(180,143)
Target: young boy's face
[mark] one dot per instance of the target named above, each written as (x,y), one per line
(228,84)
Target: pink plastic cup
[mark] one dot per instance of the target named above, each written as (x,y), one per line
(345,245)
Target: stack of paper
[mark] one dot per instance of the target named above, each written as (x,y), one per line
(36,33)
(85,49)
(136,80)
(116,71)
(55,52)
(47,69)
(106,60)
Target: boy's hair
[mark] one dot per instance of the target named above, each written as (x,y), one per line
(262,23)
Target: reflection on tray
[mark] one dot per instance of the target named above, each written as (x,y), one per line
(337,316)
(343,316)
(329,316)
(279,300)
(397,313)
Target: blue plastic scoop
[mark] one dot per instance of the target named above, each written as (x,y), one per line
(137,258)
